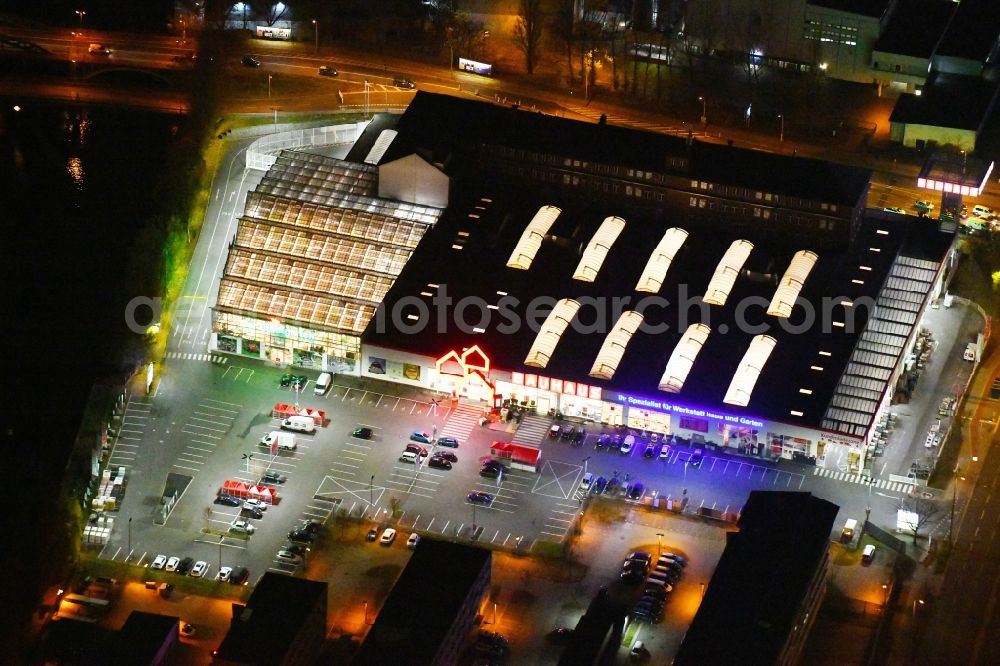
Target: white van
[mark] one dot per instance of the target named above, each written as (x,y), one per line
(868,554)
(588,480)
(285,440)
(970,352)
(323,383)
(408,457)
(299,424)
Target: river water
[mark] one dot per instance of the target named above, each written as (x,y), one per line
(77,185)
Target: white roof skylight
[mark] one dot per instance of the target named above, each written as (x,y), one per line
(597,249)
(659,262)
(749,370)
(791,283)
(683,357)
(531,239)
(726,272)
(381,145)
(548,337)
(614,345)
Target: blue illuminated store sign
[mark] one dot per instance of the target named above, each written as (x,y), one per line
(660,406)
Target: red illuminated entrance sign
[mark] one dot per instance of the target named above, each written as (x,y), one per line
(472,365)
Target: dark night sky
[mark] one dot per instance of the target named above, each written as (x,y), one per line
(144,15)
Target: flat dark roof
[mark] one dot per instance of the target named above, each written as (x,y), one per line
(449,130)
(423,604)
(870,8)
(381,121)
(948,100)
(949,167)
(916,27)
(761,580)
(973,31)
(272,618)
(479,271)
(141,637)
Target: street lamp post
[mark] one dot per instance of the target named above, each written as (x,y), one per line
(129,556)
(366,612)
(704,111)
(915,603)
(220,552)
(781,135)
(585,465)
(80,13)
(269,77)
(316,34)
(183,31)
(659,544)
(495,614)
(371,492)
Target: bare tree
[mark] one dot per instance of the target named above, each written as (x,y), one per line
(528,32)
(926,510)
(563,28)
(272,10)
(465,35)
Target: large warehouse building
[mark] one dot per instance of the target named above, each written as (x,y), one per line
(724,296)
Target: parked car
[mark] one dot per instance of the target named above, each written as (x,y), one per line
(199,569)
(665,452)
(404,83)
(439,463)
(253,503)
(224,574)
(227,500)
(627,444)
(388,536)
(632,576)
(639,556)
(239,576)
(413,540)
(925,206)
(158,562)
(185,565)
(299,381)
(587,482)
(680,559)
(172,564)
(446,455)
(567,431)
(421,436)
(895,209)
(311,526)
(650,451)
(296,548)
(416,448)
(288,557)
(657,591)
(447,441)
(272,477)
(490,472)
(250,61)
(326,70)
(599,485)
(187,629)
(479,497)
(372,534)
(301,536)
(285,381)
(697,456)
(362,433)
(635,493)
(580,437)
(602,442)
(242,527)
(257,514)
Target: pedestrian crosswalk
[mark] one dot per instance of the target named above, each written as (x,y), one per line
(895,486)
(461,422)
(187,356)
(595,115)
(532,430)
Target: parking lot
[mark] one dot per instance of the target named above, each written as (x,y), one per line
(204,423)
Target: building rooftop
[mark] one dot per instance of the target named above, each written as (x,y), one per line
(948,100)
(761,581)
(916,27)
(973,31)
(449,131)
(466,257)
(870,8)
(423,605)
(275,613)
(142,637)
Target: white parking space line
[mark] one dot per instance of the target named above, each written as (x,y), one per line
(559,520)
(211,421)
(194,455)
(340,464)
(193,462)
(223,402)
(193,469)
(200,434)
(196,448)
(134,446)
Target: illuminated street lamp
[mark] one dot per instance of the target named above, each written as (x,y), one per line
(704,111)
(80,13)
(269,77)
(915,602)
(781,136)
(659,544)
(316,33)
